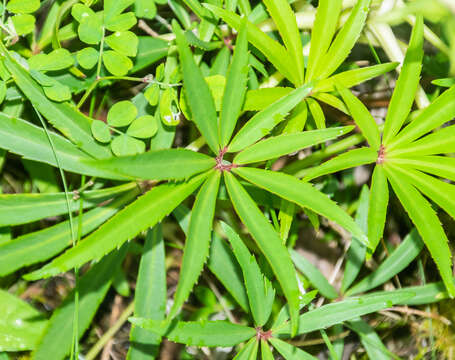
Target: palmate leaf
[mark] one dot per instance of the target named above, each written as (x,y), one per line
(344,41)
(303,194)
(281,145)
(197,92)
(442,166)
(145,212)
(63,116)
(440,111)
(41,245)
(289,351)
(392,265)
(149,296)
(235,89)
(379,199)
(406,87)
(285,20)
(325,25)
(268,242)
(18,209)
(31,142)
(92,288)
(274,52)
(426,222)
(202,333)
(263,122)
(259,289)
(168,164)
(348,309)
(197,242)
(347,160)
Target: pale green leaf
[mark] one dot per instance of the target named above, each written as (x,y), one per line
(117,64)
(125,145)
(121,22)
(268,242)
(87,57)
(406,86)
(442,166)
(123,42)
(289,351)
(22,6)
(249,351)
(259,99)
(58,92)
(100,131)
(113,8)
(370,340)
(23,23)
(80,11)
(145,212)
(90,28)
(143,127)
(145,9)
(263,122)
(331,100)
(266,352)
(58,59)
(316,113)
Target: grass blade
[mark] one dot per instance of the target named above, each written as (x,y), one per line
(197,242)
(268,242)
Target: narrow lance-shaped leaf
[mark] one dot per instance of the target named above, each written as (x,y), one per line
(281,145)
(145,212)
(442,166)
(202,333)
(285,20)
(324,27)
(268,242)
(316,113)
(168,164)
(392,265)
(249,351)
(235,89)
(289,351)
(303,194)
(427,223)
(263,122)
(197,243)
(362,118)
(379,199)
(440,111)
(266,352)
(406,87)
(345,40)
(197,92)
(149,297)
(259,289)
(347,160)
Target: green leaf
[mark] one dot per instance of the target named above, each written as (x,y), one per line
(225,267)
(259,289)
(276,146)
(348,309)
(354,77)
(392,265)
(41,245)
(87,57)
(406,87)
(377,212)
(31,142)
(442,166)
(284,18)
(64,117)
(426,222)
(249,351)
(315,277)
(446,82)
(169,109)
(125,145)
(440,111)
(58,59)
(92,288)
(355,255)
(197,242)
(21,325)
(303,194)
(22,6)
(16,209)
(159,165)
(290,352)
(266,353)
(202,333)
(344,41)
(145,212)
(274,52)
(234,91)
(123,42)
(324,27)
(263,122)
(316,113)
(347,160)
(362,118)
(58,92)
(149,51)
(150,296)
(268,242)
(143,127)
(117,64)
(80,11)
(145,9)
(122,114)
(90,29)
(332,101)
(121,22)
(261,98)
(197,92)
(100,131)
(23,23)
(113,8)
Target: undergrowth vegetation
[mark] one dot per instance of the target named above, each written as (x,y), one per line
(232,179)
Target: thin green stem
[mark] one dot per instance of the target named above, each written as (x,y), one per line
(100,57)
